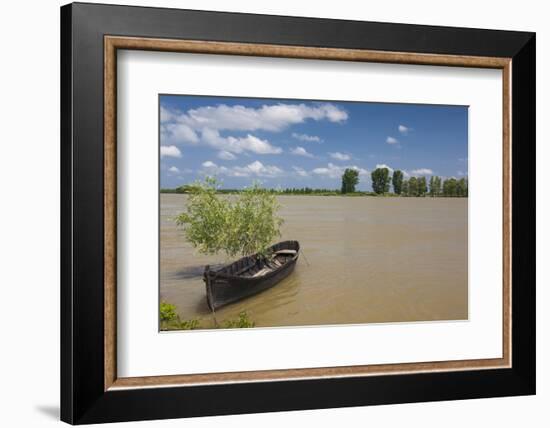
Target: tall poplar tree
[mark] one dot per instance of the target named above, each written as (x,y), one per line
(397,181)
(380,180)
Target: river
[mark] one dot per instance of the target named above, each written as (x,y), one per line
(363,260)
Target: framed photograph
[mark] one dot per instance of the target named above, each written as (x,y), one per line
(266,213)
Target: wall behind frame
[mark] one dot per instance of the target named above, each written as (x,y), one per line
(29,220)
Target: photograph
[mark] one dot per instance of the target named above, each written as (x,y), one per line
(280,212)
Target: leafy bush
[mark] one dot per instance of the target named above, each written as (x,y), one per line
(170,320)
(167,312)
(246,224)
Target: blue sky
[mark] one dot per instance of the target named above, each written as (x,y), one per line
(299,143)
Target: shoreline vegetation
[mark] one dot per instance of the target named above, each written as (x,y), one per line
(381,181)
(170,320)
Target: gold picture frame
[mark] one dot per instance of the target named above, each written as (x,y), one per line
(114,43)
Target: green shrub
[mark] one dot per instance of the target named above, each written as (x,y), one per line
(167,312)
(242,225)
(170,320)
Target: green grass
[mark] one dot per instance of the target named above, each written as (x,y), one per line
(171,321)
(242,322)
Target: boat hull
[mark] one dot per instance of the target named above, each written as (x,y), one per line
(223,288)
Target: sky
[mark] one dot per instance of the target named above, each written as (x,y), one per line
(302,143)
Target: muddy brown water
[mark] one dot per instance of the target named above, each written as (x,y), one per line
(364,260)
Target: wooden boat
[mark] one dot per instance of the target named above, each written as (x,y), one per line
(250,275)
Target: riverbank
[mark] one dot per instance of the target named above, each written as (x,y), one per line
(315,192)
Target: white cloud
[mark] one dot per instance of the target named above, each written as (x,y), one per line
(301,172)
(204,124)
(422,171)
(225,155)
(340,156)
(177,133)
(362,171)
(335,171)
(211,168)
(170,151)
(404,130)
(460,173)
(330,170)
(334,114)
(391,140)
(383,165)
(300,151)
(238,145)
(254,169)
(276,117)
(174,170)
(257,169)
(307,138)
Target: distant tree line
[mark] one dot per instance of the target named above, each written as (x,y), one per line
(304,191)
(417,186)
(287,191)
(381,182)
